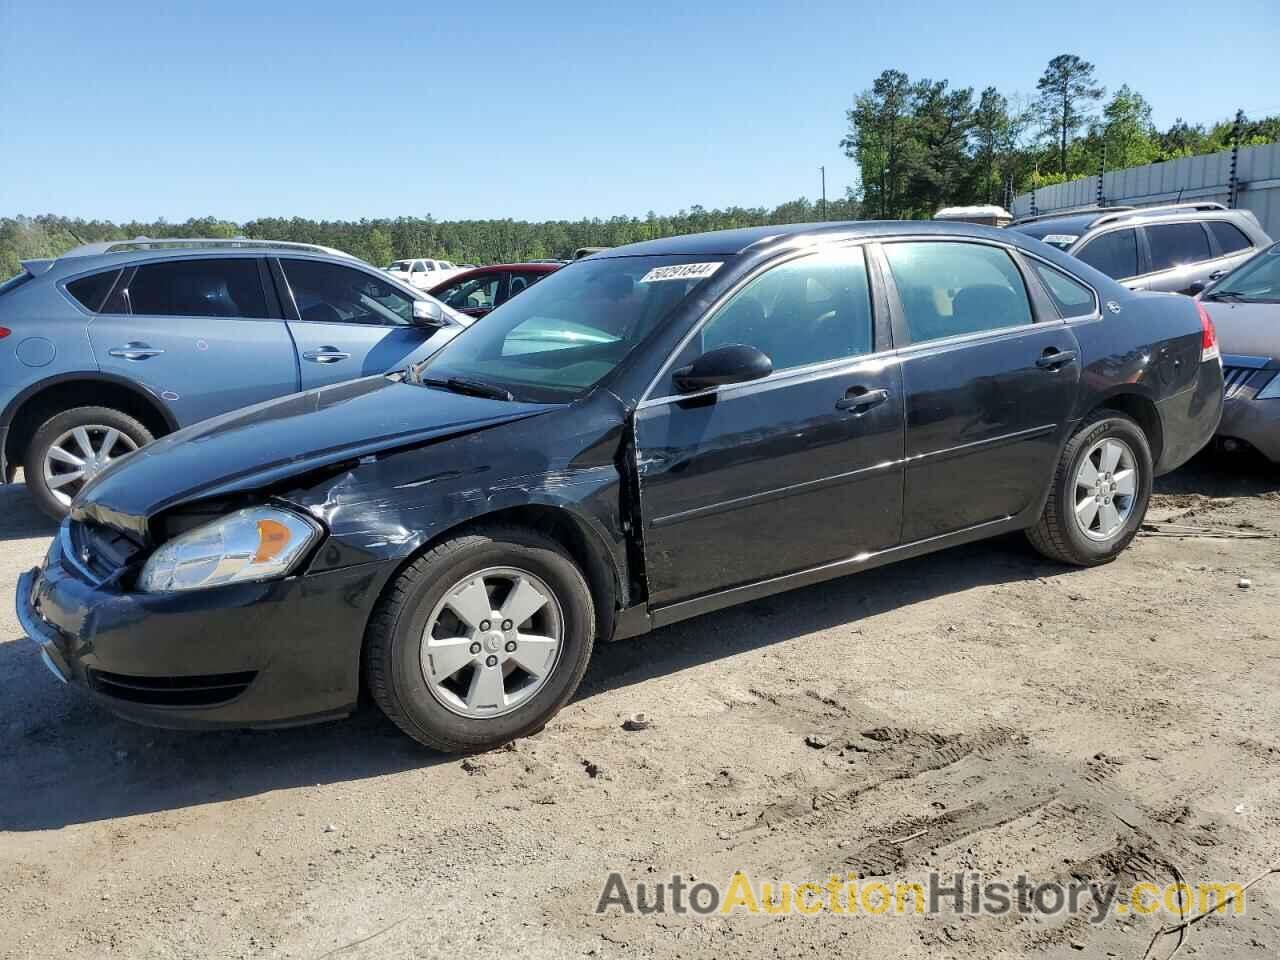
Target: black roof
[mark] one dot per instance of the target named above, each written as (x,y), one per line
(1076,224)
(726,243)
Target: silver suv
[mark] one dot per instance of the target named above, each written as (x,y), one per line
(113,344)
(1179,248)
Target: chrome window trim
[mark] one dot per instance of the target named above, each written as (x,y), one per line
(879,359)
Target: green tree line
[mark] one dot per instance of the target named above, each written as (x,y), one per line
(382,240)
(922,144)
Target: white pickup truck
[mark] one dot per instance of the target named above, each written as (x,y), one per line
(422,273)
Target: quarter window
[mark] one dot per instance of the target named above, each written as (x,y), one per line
(1175,244)
(805,311)
(1072,298)
(328,293)
(214,287)
(1230,238)
(949,289)
(93,289)
(1114,253)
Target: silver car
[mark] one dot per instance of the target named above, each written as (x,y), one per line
(1166,248)
(1245,309)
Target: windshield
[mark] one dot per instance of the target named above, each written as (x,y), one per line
(1258,281)
(563,335)
(400,266)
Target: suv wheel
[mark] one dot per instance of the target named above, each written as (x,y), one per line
(1100,492)
(481,640)
(72,447)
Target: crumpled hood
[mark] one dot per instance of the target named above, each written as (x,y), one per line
(1247,329)
(281,438)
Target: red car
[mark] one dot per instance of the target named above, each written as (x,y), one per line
(476,292)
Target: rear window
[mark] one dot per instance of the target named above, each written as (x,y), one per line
(93,289)
(214,287)
(1114,253)
(14,282)
(1229,237)
(1175,244)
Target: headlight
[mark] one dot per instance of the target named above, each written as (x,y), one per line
(1271,391)
(254,544)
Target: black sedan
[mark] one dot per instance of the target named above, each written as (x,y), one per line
(651,433)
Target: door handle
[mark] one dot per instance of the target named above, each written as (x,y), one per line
(860,399)
(326,355)
(135,350)
(1054,359)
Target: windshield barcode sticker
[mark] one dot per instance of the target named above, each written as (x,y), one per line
(1061,239)
(682,271)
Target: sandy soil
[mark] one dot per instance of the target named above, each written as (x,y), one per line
(1003,713)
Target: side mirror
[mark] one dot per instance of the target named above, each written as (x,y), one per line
(735,363)
(428,313)
(1197,287)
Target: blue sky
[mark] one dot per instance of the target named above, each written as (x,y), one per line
(532,110)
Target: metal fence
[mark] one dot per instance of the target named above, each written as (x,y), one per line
(1175,181)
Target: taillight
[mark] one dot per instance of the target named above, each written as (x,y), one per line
(1208,336)
(4,332)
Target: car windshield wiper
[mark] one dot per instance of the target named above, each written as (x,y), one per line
(1222,295)
(474,388)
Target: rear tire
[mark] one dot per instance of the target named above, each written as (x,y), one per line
(441,660)
(1095,508)
(50,473)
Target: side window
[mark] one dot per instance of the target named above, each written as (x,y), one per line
(1114,253)
(518,282)
(955,288)
(1229,237)
(329,293)
(1072,297)
(215,287)
(477,293)
(93,289)
(1175,244)
(804,311)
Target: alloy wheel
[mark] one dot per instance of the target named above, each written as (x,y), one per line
(1105,489)
(79,455)
(492,642)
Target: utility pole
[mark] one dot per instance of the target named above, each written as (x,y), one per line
(823,171)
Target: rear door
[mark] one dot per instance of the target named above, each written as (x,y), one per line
(347,322)
(1179,254)
(199,332)
(1117,253)
(776,476)
(990,378)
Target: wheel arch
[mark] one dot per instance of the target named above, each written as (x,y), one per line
(1143,410)
(37,402)
(571,531)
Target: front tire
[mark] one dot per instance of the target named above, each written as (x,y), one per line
(1100,492)
(72,447)
(481,640)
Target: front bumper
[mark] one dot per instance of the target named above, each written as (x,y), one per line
(260,654)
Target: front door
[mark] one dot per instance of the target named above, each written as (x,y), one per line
(793,471)
(196,331)
(347,322)
(989,382)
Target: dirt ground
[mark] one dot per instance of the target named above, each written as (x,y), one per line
(979,709)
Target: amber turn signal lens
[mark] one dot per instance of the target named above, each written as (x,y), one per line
(273,537)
